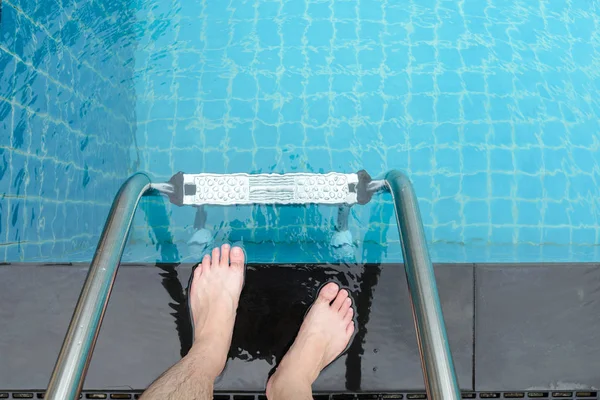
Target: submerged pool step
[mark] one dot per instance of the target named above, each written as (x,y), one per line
(296,188)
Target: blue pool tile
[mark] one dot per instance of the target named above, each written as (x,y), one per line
(556,214)
(555,236)
(318,110)
(421,160)
(447,233)
(529,187)
(344,107)
(448,160)
(293,110)
(244,86)
(424,185)
(476,133)
(291,134)
(239,161)
(528,160)
(319,56)
(6,111)
(475,185)
(421,83)
(293,31)
(447,133)
(501,160)
(159,134)
(370,31)
(5,171)
(268,111)
(316,137)
(555,185)
(581,185)
(529,235)
(420,135)
(373,107)
(294,59)
(215,162)
(474,56)
(529,213)
(345,9)
(370,84)
(214,138)
(398,158)
(320,160)
(449,82)
(448,186)
(475,234)
(424,56)
(478,212)
(474,107)
(474,81)
(580,214)
(583,159)
(265,135)
(503,235)
(447,210)
(241,137)
(420,108)
(267,160)
(500,83)
(187,160)
(583,236)
(475,159)
(448,108)
(450,58)
(339,162)
(214,110)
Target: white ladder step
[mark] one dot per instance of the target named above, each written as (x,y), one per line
(294,188)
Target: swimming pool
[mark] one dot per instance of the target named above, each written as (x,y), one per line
(490,107)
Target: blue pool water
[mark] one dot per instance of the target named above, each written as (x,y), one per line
(491,107)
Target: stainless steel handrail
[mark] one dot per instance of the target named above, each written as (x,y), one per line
(436,358)
(76,352)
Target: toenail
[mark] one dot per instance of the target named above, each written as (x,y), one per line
(225,246)
(237,251)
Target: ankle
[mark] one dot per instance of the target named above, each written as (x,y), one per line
(284,382)
(207,362)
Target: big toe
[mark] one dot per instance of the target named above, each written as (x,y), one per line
(237,257)
(328,292)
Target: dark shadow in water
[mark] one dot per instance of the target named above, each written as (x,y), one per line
(157,218)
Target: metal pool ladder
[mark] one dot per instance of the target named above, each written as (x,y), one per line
(342,190)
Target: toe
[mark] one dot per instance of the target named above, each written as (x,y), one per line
(350,328)
(225,255)
(349,314)
(216,255)
(206,262)
(237,257)
(344,308)
(198,271)
(339,300)
(328,292)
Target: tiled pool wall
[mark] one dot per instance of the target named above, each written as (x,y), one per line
(491,107)
(67,123)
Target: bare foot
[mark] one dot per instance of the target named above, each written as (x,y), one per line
(324,334)
(215,294)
